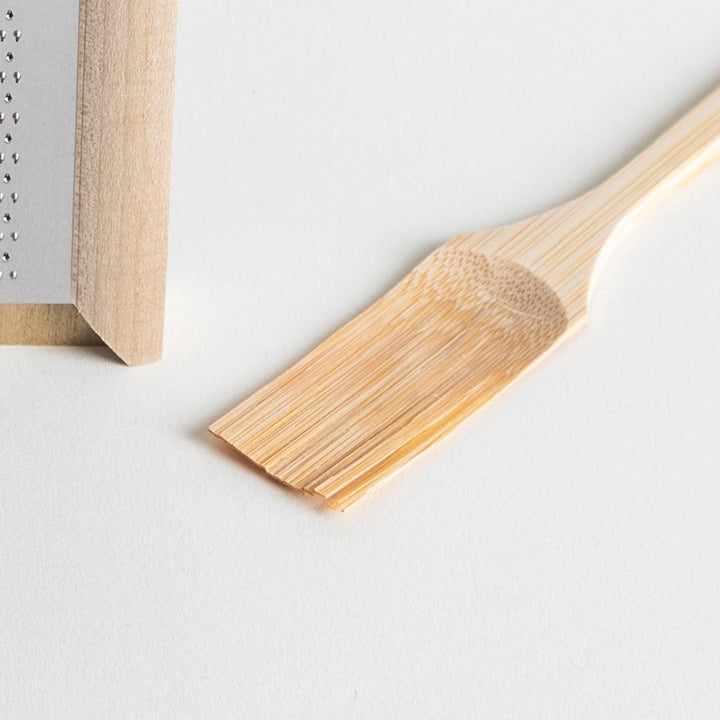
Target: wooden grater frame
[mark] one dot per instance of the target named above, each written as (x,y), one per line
(126,71)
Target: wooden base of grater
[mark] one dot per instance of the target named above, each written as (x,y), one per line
(45,325)
(125,76)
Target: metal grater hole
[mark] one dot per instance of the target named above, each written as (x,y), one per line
(10,117)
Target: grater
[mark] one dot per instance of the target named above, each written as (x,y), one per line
(86,91)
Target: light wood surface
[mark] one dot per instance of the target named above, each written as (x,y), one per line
(44,325)
(122,183)
(471,318)
(127,63)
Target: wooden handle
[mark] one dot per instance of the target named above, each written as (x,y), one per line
(567,245)
(676,158)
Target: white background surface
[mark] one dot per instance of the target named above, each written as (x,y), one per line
(556,557)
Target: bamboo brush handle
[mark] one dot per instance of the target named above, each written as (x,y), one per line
(677,157)
(569,254)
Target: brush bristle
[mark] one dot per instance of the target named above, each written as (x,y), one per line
(398,377)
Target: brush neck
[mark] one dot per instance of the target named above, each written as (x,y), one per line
(594,222)
(565,246)
(677,157)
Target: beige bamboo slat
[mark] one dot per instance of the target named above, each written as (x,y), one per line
(459,328)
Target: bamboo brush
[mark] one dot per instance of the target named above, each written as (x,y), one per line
(459,328)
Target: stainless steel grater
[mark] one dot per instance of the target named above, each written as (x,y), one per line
(38,81)
(86,89)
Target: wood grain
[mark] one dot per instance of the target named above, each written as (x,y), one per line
(44,325)
(124,136)
(464,324)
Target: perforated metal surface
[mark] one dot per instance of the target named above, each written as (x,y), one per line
(38,91)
